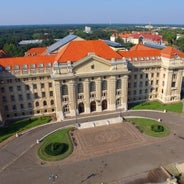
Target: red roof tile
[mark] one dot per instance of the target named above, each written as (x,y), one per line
(77,50)
(171,52)
(35,51)
(4,62)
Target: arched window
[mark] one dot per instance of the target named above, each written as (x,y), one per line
(64,90)
(52,102)
(44,103)
(104,85)
(118,84)
(37,104)
(80,88)
(92,86)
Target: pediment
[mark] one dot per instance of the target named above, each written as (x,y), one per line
(91,64)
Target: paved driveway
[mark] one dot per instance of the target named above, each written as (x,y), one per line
(19,163)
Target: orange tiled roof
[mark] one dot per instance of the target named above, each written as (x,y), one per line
(140,50)
(35,51)
(140,47)
(171,52)
(4,62)
(77,50)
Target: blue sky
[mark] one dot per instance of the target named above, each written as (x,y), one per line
(16,12)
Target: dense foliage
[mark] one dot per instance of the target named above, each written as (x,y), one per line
(10,36)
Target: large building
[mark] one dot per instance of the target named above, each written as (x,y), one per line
(87,76)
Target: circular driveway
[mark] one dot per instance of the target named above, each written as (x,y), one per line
(104,154)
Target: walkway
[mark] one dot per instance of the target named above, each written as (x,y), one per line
(19,163)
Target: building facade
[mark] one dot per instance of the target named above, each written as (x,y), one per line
(86,77)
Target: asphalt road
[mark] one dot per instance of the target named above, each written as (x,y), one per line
(19,163)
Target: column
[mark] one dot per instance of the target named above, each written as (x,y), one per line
(98,94)
(72,97)
(58,101)
(86,95)
(111,92)
(124,92)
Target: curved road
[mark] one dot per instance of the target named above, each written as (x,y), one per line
(18,163)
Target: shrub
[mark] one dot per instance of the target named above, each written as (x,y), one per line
(54,149)
(157,128)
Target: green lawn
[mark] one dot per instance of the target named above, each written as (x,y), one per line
(60,136)
(155,105)
(19,126)
(144,125)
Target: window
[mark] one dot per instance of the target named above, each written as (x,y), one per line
(14,107)
(146,90)
(20,97)
(18,88)
(146,83)
(50,84)
(48,65)
(173,84)
(33,66)
(92,86)
(42,85)
(43,94)
(141,76)
(16,67)
(4,98)
(26,87)
(140,91)
(151,82)
(6,108)
(146,75)
(34,86)
(64,90)
(44,103)
(40,65)
(29,105)
(104,85)
(37,104)
(12,98)
(157,82)
(51,93)
(135,84)
(36,95)
(22,106)
(80,88)
(140,84)
(135,76)
(10,89)
(52,102)
(92,66)
(28,96)
(24,67)
(152,74)
(2,90)
(66,108)
(7,68)
(118,84)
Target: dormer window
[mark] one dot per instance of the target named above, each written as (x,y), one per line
(1,68)
(16,67)
(40,65)
(33,66)
(24,67)
(135,59)
(49,65)
(7,68)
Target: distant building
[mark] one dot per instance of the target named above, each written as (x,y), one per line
(26,42)
(87,29)
(82,77)
(140,37)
